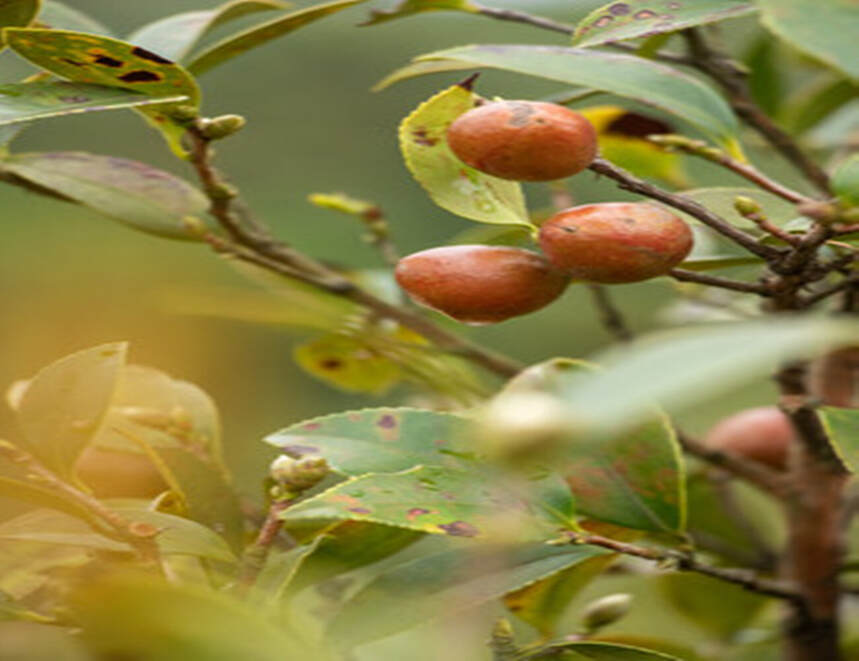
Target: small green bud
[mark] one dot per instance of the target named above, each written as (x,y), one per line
(605,611)
(746,206)
(297,475)
(503,641)
(221,127)
(184,113)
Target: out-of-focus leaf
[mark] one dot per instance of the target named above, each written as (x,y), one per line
(141,617)
(443,584)
(136,194)
(87,58)
(25,567)
(17,13)
(843,427)
(57,16)
(720,200)
(825,31)
(624,75)
(51,527)
(542,603)
(594,651)
(41,497)
(347,363)
(714,262)
(452,184)
(446,501)
(633,19)
(381,440)
(27,641)
(263,33)
(845,181)
(713,605)
(408,7)
(817,101)
(420,69)
(65,404)
(24,102)
(766,76)
(276,577)
(174,37)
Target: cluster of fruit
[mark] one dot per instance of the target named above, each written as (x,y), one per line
(605,243)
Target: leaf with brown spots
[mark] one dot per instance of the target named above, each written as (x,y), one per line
(409,7)
(174,37)
(347,363)
(17,13)
(444,583)
(633,19)
(447,501)
(88,58)
(453,185)
(133,193)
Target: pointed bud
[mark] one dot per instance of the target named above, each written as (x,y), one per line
(298,474)
(746,206)
(605,611)
(221,127)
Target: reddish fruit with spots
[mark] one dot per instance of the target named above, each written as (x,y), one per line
(615,242)
(761,434)
(480,284)
(524,140)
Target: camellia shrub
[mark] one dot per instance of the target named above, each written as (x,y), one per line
(488,511)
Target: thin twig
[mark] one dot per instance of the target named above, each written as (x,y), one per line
(717,281)
(610,315)
(628,181)
(733,80)
(526,19)
(686,561)
(255,556)
(826,292)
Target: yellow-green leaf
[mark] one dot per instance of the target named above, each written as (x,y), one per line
(409,7)
(347,363)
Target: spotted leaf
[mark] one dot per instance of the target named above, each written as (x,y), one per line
(17,13)
(409,7)
(347,363)
(632,19)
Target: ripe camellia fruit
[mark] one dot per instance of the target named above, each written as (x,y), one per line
(523,140)
(615,242)
(480,284)
(761,434)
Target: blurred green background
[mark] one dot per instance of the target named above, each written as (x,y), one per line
(70,279)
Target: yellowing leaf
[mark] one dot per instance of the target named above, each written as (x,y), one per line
(408,7)
(348,364)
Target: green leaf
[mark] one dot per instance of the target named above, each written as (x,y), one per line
(443,584)
(452,184)
(816,102)
(409,7)
(142,617)
(683,368)
(624,75)
(826,31)
(51,527)
(845,181)
(174,37)
(276,577)
(766,79)
(347,363)
(41,497)
(87,58)
(24,102)
(64,405)
(446,501)
(593,651)
(380,440)
(136,194)
(633,19)
(843,427)
(57,16)
(17,13)
(260,34)
(542,603)
(720,200)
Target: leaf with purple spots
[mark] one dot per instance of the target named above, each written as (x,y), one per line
(380,440)
(453,185)
(633,19)
(133,193)
(88,58)
(441,584)
(446,501)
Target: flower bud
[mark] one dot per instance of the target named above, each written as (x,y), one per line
(298,474)
(221,127)
(605,611)
(746,206)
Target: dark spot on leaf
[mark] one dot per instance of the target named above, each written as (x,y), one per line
(108,61)
(360,510)
(387,421)
(459,529)
(74,63)
(74,99)
(521,113)
(422,138)
(331,364)
(602,21)
(417,511)
(140,76)
(299,450)
(619,9)
(635,125)
(644,14)
(149,55)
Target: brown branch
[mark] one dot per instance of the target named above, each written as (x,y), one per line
(630,182)
(842,285)
(686,561)
(610,315)
(526,19)
(720,282)
(732,79)
(255,555)
(256,244)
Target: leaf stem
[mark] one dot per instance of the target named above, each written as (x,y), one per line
(254,557)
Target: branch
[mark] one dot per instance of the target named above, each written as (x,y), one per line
(630,182)
(733,80)
(717,281)
(526,19)
(844,284)
(257,245)
(255,555)
(139,536)
(610,315)
(686,561)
